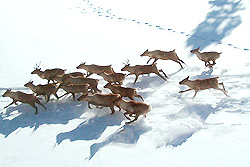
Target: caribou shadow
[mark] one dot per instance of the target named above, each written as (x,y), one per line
(181,128)
(206,74)
(128,134)
(91,129)
(23,115)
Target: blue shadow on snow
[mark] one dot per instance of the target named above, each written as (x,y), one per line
(182,130)
(56,113)
(219,23)
(128,134)
(91,129)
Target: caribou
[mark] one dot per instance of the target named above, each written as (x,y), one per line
(163,55)
(143,69)
(22,97)
(206,56)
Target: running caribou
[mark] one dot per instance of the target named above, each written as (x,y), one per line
(94,69)
(207,57)
(143,69)
(163,55)
(22,97)
(202,84)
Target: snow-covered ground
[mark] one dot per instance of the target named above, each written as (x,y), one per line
(210,130)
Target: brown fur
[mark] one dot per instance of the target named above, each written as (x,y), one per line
(206,56)
(202,84)
(116,78)
(103,100)
(22,97)
(49,73)
(132,108)
(73,89)
(80,80)
(123,91)
(143,69)
(46,90)
(158,54)
(94,69)
(59,78)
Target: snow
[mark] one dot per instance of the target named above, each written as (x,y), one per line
(210,130)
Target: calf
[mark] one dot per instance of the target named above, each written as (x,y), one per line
(206,56)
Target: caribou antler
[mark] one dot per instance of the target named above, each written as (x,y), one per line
(38,65)
(127,62)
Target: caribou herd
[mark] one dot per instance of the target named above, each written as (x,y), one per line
(81,83)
